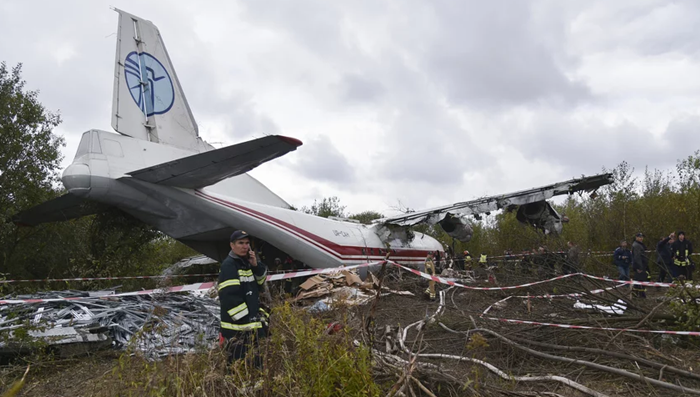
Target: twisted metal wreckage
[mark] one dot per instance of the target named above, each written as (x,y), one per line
(155,324)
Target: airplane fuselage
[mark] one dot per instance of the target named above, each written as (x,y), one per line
(204,218)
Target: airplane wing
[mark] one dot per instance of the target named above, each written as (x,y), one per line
(68,206)
(210,167)
(493,203)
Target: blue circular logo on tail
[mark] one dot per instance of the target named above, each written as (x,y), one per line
(149,83)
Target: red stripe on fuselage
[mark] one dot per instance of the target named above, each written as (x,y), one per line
(337,250)
(282,225)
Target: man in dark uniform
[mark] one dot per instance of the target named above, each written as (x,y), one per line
(571,264)
(622,258)
(640,265)
(682,249)
(667,269)
(243,321)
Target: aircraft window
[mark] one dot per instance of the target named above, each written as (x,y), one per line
(84,146)
(95,147)
(112,148)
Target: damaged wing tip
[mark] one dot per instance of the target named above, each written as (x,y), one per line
(292,141)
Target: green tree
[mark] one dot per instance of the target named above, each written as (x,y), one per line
(30,153)
(29,158)
(329,206)
(367,217)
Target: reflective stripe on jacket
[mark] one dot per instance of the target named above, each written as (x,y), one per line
(239,294)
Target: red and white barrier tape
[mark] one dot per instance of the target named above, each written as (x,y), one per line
(273,277)
(644,331)
(572,295)
(447,282)
(452,283)
(647,283)
(192,287)
(592,253)
(303,273)
(47,280)
(181,288)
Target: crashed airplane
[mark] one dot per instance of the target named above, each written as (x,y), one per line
(157,169)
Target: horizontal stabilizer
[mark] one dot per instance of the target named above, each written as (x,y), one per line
(68,206)
(208,168)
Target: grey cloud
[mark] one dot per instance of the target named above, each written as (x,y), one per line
(315,24)
(497,54)
(588,146)
(487,54)
(649,28)
(239,114)
(425,144)
(356,88)
(683,135)
(321,161)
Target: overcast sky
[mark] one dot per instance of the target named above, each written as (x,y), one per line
(426,102)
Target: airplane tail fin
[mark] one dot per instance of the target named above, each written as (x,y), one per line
(148,101)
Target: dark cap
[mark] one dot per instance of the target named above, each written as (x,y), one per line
(238,235)
(680,232)
(640,234)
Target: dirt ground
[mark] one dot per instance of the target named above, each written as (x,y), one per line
(463,310)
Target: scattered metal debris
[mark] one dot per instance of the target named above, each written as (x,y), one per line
(155,325)
(199,263)
(617,308)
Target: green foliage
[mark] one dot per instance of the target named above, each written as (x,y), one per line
(367,217)
(304,361)
(300,359)
(30,151)
(685,307)
(29,157)
(329,206)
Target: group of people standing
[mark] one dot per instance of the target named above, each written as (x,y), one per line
(673,259)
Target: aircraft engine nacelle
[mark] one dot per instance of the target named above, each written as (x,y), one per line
(542,216)
(457,227)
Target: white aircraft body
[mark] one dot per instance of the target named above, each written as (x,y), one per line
(157,169)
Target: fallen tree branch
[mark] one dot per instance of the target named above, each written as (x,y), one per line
(623,356)
(601,367)
(428,367)
(490,367)
(639,324)
(422,387)
(421,323)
